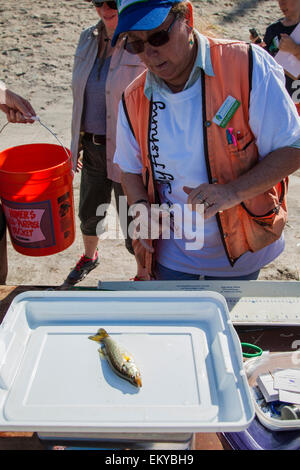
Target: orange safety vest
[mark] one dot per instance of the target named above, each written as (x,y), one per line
(252,224)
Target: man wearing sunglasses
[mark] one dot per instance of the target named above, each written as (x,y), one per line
(197,131)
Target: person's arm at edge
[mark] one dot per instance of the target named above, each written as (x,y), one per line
(16,108)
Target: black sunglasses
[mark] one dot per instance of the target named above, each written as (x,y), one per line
(111,5)
(156,39)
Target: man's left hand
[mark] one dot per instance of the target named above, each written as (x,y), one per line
(214,197)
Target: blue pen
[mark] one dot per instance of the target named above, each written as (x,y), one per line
(229,137)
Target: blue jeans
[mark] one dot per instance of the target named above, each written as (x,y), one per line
(166,274)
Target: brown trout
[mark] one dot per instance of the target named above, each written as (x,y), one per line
(120,360)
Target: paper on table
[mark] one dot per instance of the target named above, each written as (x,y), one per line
(265,383)
(288,61)
(289,397)
(287,379)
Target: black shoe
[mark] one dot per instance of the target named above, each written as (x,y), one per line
(82,268)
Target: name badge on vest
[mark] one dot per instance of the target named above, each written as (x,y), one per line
(226,111)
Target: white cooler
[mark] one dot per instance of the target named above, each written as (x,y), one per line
(54,382)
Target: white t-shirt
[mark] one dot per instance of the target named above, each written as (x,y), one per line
(180,161)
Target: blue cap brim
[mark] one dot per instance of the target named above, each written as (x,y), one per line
(141,19)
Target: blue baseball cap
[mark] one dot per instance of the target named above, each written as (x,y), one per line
(141,15)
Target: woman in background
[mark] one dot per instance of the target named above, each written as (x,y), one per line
(100,75)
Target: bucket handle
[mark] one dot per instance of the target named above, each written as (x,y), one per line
(36,118)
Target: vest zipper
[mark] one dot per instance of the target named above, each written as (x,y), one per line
(204,118)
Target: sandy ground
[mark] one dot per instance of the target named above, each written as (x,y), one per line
(38,40)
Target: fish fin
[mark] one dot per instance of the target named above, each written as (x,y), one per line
(101,352)
(100,335)
(138,381)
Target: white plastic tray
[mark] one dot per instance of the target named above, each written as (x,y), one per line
(53,379)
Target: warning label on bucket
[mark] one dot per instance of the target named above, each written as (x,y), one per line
(30,224)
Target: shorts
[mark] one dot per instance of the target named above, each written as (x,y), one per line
(95,189)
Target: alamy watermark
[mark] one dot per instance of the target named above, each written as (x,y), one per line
(296,93)
(152,222)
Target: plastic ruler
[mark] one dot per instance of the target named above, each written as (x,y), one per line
(259,302)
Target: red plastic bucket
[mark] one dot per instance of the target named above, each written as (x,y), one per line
(37,197)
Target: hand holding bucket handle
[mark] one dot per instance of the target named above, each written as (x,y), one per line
(16,108)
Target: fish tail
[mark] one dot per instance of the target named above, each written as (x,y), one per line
(100,335)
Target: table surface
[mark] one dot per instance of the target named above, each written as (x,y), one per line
(273,338)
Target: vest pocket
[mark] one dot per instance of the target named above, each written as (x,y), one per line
(243,155)
(264,207)
(265,216)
